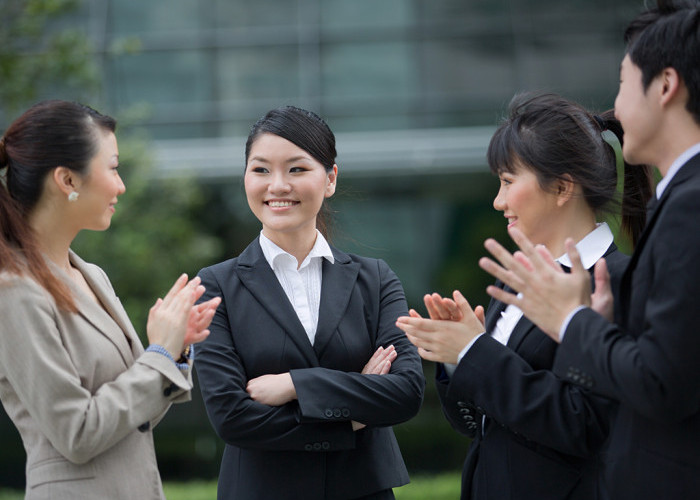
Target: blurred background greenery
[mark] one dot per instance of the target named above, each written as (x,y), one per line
(412,88)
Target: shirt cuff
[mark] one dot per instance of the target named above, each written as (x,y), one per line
(162,350)
(449,367)
(566,322)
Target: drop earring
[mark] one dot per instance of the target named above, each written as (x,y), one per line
(73,196)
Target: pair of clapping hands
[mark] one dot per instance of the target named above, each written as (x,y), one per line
(544,292)
(175,322)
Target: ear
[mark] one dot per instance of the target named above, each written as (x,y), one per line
(670,85)
(565,188)
(332,178)
(65,179)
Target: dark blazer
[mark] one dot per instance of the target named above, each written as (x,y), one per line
(306,449)
(541,435)
(651,361)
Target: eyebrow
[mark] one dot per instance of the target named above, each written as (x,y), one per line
(289,160)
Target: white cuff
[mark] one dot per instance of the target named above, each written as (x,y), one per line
(566,322)
(449,367)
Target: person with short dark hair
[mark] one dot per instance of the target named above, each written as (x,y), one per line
(74,377)
(304,372)
(646,356)
(535,436)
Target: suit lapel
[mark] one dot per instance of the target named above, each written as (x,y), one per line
(494,310)
(521,330)
(259,279)
(654,208)
(108,318)
(337,285)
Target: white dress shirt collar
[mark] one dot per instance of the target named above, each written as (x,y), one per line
(592,247)
(272,252)
(675,167)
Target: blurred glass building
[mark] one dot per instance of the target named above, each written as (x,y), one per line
(412,88)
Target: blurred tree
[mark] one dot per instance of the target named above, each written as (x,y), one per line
(155,234)
(37,55)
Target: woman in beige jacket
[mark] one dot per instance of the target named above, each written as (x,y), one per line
(74,377)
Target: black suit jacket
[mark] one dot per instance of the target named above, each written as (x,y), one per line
(541,436)
(306,449)
(651,361)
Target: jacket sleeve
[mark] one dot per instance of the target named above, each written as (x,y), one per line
(654,369)
(79,423)
(376,400)
(461,415)
(533,403)
(238,419)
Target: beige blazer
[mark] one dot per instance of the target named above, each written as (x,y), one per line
(82,392)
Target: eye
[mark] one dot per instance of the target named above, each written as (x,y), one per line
(296,170)
(259,170)
(505,181)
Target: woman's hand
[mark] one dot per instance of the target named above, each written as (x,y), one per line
(380,362)
(272,390)
(442,340)
(169,317)
(447,309)
(199,320)
(602,300)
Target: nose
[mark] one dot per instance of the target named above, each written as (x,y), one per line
(499,202)
(279,183)
(121,187)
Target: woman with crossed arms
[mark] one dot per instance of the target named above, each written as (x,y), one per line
(305,371)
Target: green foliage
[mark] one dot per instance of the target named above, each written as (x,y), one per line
(36,56)
(154,237)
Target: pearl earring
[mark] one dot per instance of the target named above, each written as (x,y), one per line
(73,196)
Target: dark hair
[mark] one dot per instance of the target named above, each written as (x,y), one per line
(306,130)
(668,36)
(556,138)
(49,134)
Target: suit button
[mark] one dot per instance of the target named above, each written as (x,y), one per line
(308,447)
(337,413)
(468,417)
(346,412)
(462,404)
(317,446)
(326,445)
(144,427)
(328,412)
(471,426)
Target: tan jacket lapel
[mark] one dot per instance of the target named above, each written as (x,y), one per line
(109,319)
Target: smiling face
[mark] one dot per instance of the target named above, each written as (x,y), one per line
(285,187)
(527,206)
(101,185)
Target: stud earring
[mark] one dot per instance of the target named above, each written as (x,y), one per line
(73,196)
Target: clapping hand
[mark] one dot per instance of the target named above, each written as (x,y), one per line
(453,325)
(546,294)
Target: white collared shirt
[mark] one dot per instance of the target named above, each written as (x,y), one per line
(591,248)
(675,167)
(301,283)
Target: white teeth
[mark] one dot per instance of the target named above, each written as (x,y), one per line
(280,203)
